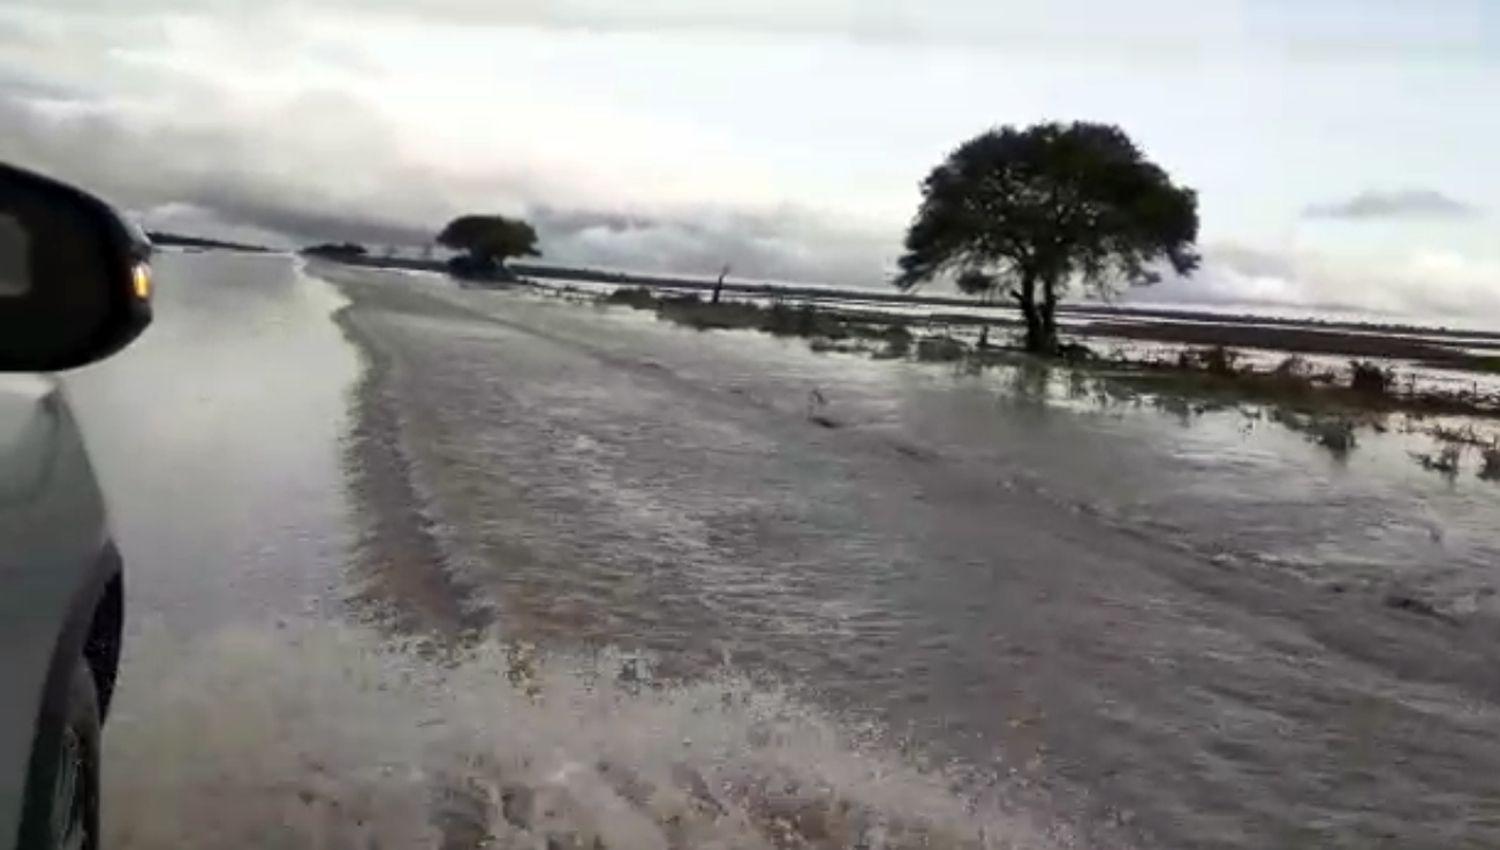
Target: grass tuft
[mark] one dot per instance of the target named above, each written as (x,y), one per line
(1444,462)
(1218,360)
(1368,378)
(1489,466)
(638,297)
(940,349)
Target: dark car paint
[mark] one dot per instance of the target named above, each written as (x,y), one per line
(60,581)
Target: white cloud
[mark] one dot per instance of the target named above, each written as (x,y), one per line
(1420,284)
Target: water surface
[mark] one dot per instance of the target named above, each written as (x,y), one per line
(1201,626)
(1104,622)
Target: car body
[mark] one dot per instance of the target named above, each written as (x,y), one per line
(75,287)
(61,577)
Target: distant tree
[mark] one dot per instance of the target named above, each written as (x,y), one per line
(488,241)
(1029,213)
(335,250)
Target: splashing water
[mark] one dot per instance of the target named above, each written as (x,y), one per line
(325,736)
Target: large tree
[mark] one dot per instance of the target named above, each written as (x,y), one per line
(490,240)
(1035,211)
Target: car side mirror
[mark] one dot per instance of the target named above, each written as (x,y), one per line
(75,279)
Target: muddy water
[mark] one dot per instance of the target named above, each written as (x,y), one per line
(216,438)
(1203,628)
(1102,623)
(261,508)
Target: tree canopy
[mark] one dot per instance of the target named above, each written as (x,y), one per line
(490,240)
(1031,212)
(976,282)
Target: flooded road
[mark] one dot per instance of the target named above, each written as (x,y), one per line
(265,701)
(1188,626)
(216,438)
(1102,624)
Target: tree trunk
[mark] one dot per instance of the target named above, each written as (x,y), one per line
(719,285)
(1035,335)
(1041,330)
(1049,344)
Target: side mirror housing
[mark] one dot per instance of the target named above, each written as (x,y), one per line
(75,276)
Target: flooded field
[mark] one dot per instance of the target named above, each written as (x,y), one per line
(805,599)
(1152,612)
(267,700)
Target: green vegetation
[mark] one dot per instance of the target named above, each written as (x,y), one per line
(779,318)
(1292,384)
(1026,214)
(1329,408)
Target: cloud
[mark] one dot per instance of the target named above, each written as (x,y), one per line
(1145,27)
(1402,204)
(225,132)
(788,244)
(946,21)
(342,175)
(311,122)
(1421,284)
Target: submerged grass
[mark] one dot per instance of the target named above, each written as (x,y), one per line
(1489,468)
(1329,408)
(779,319)
(1444,461)
(941,349)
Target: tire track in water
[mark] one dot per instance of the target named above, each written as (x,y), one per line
(408,582)
(382,314)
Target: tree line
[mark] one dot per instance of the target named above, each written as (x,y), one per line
(1020,215)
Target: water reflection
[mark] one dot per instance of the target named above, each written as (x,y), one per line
(216,440)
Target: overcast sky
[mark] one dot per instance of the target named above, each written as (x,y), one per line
(1344,150)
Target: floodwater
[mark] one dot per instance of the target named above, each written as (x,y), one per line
(805,597)
(216,439)
(267,701)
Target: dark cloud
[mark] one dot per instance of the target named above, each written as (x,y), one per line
(162,140)
(322,167)
(1407,203)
